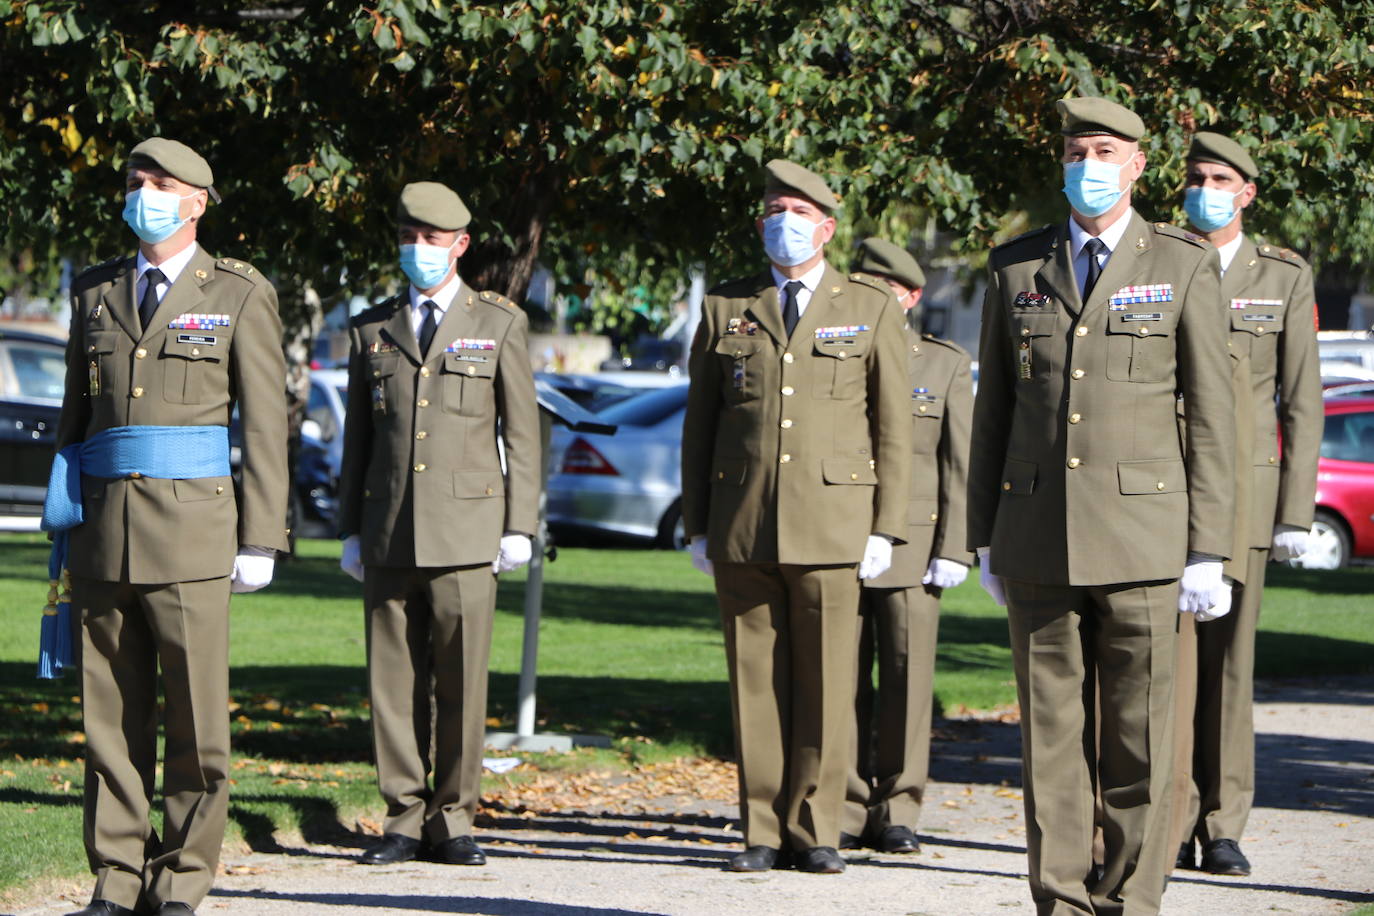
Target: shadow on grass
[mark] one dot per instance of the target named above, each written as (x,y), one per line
(317,817)
(1356,580)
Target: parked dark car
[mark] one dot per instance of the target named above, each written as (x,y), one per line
(32,377)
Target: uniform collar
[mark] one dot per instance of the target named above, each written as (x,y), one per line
(1111,236)
(443,297)
(811,279)
(1228,251)
(171,268)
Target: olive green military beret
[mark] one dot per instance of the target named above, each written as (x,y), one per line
(1090,117)
(1211,147)
(176,159)
(432,204)
(879,256)
(788,177)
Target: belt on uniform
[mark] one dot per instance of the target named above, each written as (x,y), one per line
(169,452)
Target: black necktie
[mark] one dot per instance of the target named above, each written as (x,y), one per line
(148,304)
(790,315)
(428,325)
(1093,247)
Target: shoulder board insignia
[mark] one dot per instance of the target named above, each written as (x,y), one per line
(236,266)
(1286,255)
(108,262)
(497,298)
(1183,234)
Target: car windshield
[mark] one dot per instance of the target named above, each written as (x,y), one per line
(648,408)
(1349,437)
(39,372)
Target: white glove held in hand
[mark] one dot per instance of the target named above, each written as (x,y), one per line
(250,572)
(877,557)
(1201,587)
(1223,605)
(697,550)
(991,584)
(943,573)
(515,552)
(352,560)
(1289,543)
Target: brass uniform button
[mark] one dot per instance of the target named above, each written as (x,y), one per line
(424,371)
(195,351)
(1078,373)
(934,516)
(1259,330)
(367,494)
(922,408)
(785,458)
(1006,485)
(1142,331)
(841,354)
(1074,462)
(1081,331)
(786,391)
(376,373)
(135,475)
(219,490)
(915,349)
(1272,459)
(138,392)
(421,434)
(420,468)
(423,402)
(872,463)
(139,353)
(1159,485)
(853,476)
(720,475)
(472,370)
(1075,417)
(490,491)
(788,358)
(786,424)
(1025,332)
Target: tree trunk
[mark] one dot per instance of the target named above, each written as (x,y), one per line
(490,263)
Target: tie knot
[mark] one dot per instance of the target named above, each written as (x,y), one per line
(1094,247)
(154,276)
(793,287)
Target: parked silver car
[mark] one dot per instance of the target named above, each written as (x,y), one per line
(628,484)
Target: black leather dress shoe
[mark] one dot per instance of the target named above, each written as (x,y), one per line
(1223,857)
(821,860)
(103,908)
(459,850)
(393,848)
(1187,856)
(175,909)
(755,858)
(898,839)
(850,841)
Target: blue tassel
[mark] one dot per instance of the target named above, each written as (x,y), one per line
(55,634)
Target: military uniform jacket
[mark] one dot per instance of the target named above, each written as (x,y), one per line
(214,341)
(1270,301)
(941,394)
(421,479)
(794,452)
(1077,474)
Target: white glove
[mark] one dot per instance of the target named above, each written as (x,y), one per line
(250,572)
(1200,589)
(1223,605)
(515,552)
(697,550)
(1290,542)
(991,584)
(877,557)
(352,560)
(943,573)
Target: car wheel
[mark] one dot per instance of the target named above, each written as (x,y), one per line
(671,534)
(1328,547)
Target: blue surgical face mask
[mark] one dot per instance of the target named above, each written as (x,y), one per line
(787,238)
(426,265)
(1092,186)
(154,215)
(1209,208)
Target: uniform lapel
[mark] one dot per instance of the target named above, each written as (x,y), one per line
(766,311)
(1056,273)
(1241,272)
(456,316)
(827,299)
(119,298)
(184,296)
(1124,264)
(398,330)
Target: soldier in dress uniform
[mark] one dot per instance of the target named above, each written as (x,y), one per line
(428,516)
(900,610)
(795,461)
(1094,524)
(1268,311)
(162,346)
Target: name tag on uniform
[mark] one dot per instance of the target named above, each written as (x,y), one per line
(840,330)
(1256,303)
(1260,317)
(470,343)
(1143,316)
(922,394)
(380,346)
(1029,300)
(198,321)
(1133,295)
(204,339)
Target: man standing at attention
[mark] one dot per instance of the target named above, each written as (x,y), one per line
(428,516)
(1085,509)
(162,346)
(1267,305)
(795,461)
(900,610)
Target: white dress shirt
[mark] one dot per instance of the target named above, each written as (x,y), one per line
(443,297)
(1228,251)
(171,269)
(1078,237)
(809,281)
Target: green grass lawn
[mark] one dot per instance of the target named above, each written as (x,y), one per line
(630,648)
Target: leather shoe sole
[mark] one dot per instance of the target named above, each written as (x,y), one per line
(898,839)
(392,848)
(755,858)
(459,850)
(821,860)
(103,908)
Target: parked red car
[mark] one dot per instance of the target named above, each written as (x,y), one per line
(1344,524)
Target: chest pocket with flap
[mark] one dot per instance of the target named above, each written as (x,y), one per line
(1140,342)
(186,366)
(741,367)
(843,373)
(467,377)
(1032,342)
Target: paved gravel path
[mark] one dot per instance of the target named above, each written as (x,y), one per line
(1311,839)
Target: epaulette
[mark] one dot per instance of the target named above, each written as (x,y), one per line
(497,299)
(105,264)
(245,270)
(1174,232)
(740,286)
(379,312)
(945,343)
(1030,234)
(871,281)
(1286,255)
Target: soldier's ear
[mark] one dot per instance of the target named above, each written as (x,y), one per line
(1247,194)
